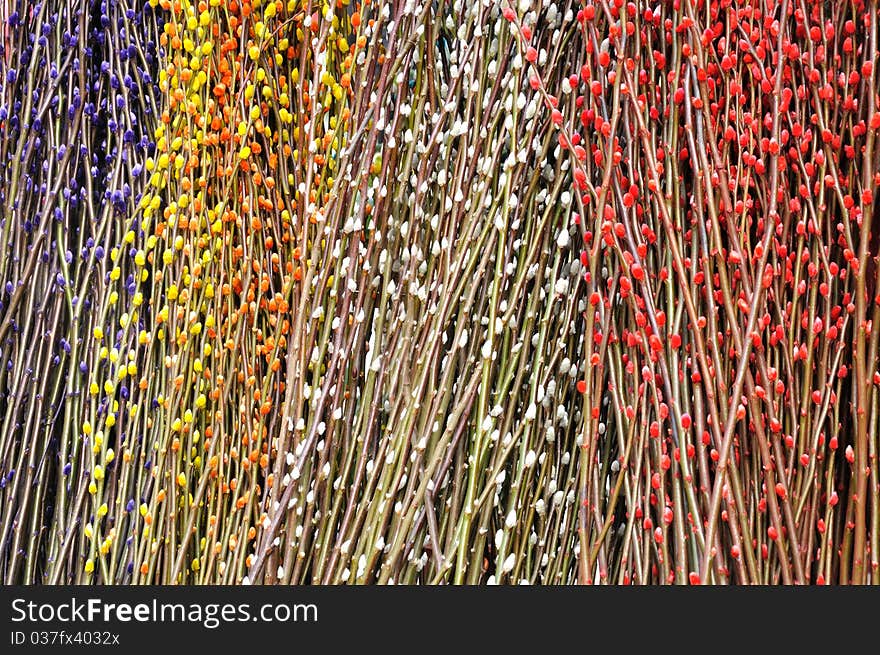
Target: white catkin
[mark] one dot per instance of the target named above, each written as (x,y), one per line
(510,520)
(563,239)
(509,563)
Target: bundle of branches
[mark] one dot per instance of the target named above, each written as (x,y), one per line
(439,292)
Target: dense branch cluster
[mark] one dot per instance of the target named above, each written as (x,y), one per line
(388,291)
